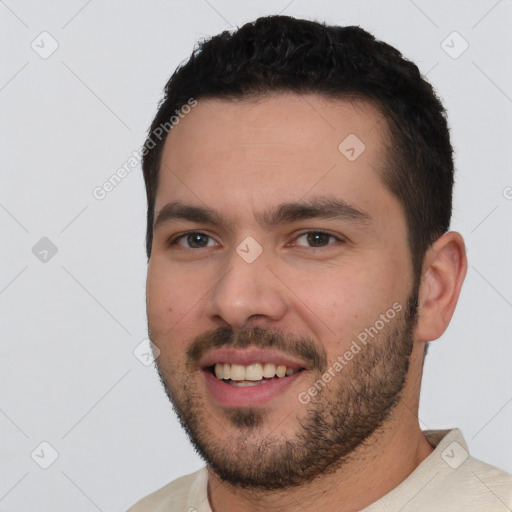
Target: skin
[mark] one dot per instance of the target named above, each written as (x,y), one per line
(242,158)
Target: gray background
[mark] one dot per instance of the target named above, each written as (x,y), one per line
(70,323)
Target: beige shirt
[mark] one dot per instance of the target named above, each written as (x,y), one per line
(449,479)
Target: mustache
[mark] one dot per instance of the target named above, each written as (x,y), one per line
(259,337)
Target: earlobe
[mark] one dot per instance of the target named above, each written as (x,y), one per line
(444,269)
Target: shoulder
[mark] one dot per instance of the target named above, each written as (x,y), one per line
(176,495)
(469,480)
(460,481)
(484,483)
(449,480)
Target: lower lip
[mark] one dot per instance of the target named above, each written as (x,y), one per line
(227,395)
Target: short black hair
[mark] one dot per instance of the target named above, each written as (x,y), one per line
(285,54)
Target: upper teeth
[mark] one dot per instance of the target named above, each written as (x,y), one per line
(254,371)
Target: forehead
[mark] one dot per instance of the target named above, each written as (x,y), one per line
(284,147)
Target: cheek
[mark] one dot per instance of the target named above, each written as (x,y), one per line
(177,295)
(169,313)
(341,301)
(158,300)
(327,300)
(171,296)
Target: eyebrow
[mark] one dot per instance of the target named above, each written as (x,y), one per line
(316,208)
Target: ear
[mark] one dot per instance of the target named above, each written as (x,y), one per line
(444,269)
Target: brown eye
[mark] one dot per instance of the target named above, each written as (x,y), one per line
(316,239)
(194,240)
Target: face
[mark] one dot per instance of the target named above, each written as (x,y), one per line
(280,290)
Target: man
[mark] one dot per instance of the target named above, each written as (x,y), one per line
(299,181)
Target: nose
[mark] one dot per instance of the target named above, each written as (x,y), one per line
(246,291)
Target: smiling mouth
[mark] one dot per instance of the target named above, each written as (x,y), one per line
(252,374)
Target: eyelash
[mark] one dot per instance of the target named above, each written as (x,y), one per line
(174,240)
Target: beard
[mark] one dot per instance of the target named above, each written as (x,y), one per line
(337,420)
